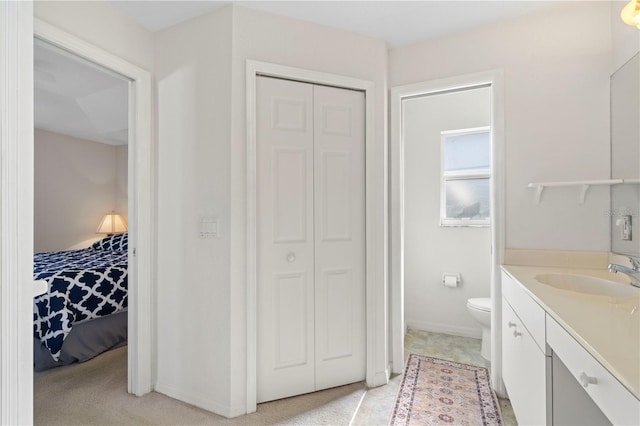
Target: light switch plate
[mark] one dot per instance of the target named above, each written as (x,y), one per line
(209,227)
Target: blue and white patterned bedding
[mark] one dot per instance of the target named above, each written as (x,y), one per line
(82,284)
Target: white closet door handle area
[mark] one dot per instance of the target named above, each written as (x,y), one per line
(291,257)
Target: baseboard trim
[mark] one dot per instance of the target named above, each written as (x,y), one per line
(237,412)
(198,400)
(381,378)
(444,328)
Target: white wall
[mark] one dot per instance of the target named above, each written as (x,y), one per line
(556,69)
(101,24)
(193,74)
(75,185)
(431,250)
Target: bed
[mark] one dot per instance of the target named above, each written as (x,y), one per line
(84,311)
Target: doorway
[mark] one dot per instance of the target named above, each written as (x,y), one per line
(493,82)
(16,251)
(80,178)
(139,201)
(311,239)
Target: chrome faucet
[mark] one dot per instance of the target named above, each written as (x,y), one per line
(633,272)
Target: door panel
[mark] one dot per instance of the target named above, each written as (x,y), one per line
(336,299)
(285,296)
(336,196)
(290,178)
(291,332)
(340,234)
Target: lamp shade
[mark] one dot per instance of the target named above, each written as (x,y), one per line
(631,13)
(112,223)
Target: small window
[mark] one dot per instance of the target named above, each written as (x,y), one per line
(466,173)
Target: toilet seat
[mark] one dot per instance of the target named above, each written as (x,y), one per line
(480,303)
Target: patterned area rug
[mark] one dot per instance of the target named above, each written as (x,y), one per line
(439,392)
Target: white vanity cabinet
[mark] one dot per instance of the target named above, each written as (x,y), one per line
(605,393)
(524,361)
(552,377)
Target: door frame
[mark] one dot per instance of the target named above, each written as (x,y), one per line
(141,220)
(373,234)
(495,79)
(16,213)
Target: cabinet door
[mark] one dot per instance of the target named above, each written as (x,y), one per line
(523,370)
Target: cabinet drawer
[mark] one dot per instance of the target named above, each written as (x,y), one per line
(529,312)
(619,405)
(523,370)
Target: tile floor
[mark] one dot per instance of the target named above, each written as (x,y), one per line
(377,405)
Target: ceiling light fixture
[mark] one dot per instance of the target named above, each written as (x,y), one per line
(631,13)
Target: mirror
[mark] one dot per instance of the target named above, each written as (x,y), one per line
(625,158)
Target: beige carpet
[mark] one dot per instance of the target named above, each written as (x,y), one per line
(94,393)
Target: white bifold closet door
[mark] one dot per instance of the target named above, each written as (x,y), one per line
(310,238)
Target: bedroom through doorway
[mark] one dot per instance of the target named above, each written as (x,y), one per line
(80,207)
(87,207)
(141,330)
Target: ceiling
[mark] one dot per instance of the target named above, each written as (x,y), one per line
(77,98)
(399,23)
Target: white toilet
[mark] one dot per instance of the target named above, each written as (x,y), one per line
(480,308)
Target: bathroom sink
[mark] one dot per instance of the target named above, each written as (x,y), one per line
(588,285)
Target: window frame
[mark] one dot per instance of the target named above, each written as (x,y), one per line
(446,176)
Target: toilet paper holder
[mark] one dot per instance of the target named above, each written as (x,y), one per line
(451,280)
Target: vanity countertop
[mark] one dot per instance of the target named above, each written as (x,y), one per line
(607,327)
